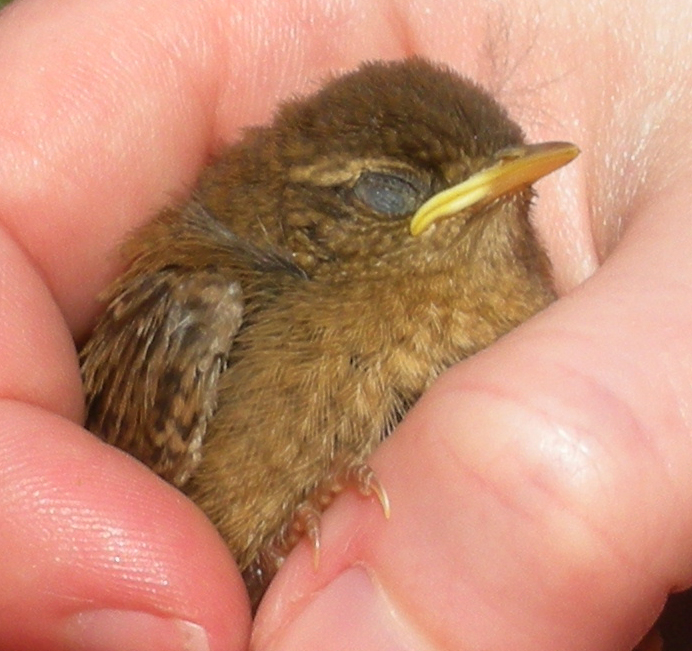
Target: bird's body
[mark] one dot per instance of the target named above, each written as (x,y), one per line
(285,319)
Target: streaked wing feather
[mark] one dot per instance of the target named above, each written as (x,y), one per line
(152,365)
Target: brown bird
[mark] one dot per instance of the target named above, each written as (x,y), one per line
(273,330)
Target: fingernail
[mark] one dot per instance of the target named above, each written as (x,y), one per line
(115,630)
(350,613)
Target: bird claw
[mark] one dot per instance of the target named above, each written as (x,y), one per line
(344,475)
(307,516)
(363,478)
(306,521)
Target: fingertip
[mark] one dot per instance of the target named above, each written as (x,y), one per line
(92,539)
(351,612)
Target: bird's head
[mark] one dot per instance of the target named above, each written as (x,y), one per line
(399,166)
(403,162)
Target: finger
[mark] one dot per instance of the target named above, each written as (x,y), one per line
(39,363)
(86,564)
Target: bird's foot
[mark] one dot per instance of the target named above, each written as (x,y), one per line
(306,518)
(344,475)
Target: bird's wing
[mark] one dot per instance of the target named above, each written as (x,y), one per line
(152,365)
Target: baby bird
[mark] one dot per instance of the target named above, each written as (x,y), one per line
(271,331)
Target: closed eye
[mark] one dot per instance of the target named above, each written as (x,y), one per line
(388,194)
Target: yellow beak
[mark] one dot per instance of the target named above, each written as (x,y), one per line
(514,169)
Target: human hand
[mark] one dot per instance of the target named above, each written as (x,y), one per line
(540,492)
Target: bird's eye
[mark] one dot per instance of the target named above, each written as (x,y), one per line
(387,194)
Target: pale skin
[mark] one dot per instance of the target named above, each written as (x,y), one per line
(541,493)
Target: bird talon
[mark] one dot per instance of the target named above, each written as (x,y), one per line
(363,478)
(306,520)
(315,553)
(375,487)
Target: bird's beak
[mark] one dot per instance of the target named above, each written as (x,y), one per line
(514,169)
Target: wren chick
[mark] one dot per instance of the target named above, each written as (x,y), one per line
(273,330)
